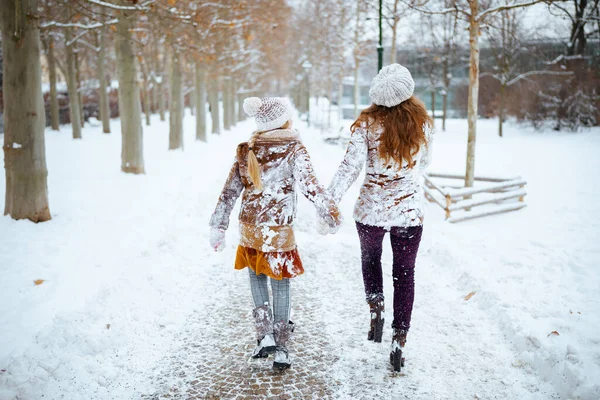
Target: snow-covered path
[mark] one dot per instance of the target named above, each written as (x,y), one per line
(455,350)
(132,252)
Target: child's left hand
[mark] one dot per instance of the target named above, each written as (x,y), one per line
(217,239)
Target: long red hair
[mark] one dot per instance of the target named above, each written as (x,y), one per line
(403,128)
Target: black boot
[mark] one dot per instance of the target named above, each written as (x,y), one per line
(398,342)
(377,308)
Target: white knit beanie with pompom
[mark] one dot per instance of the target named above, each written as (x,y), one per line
(268,112)
(392,85)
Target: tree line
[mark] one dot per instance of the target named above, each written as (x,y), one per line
(222,47)
(165,54)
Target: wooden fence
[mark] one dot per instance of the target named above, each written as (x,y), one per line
(499,194)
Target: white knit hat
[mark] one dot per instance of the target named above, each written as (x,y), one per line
(392,85)
(268,112)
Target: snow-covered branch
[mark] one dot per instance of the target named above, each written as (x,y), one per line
(508,7)
(76,38)
(176,14)
(443,11)
(137,7)
(527,74)
(562,57)
(77,25)
(90,46)
(232,24)
(213,5)
(565,11)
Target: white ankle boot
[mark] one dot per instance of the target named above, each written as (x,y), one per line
(264,347)
(282,359)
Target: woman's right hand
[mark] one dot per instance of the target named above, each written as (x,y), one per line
(336,220)
(322,228)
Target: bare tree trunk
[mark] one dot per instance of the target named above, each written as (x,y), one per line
(154,94)
(356,87)
(24,115)
(161,98)
(233,98)
(147,100)
(132,145)
(446,80)
(501,112)
(154,73)
(444,109)
(341,57)
(577,39)
(393,48)
(200,92)
(159,81)
(214,105)
(226,102)
(175,104)
(79,91)
(74,110)
(241,115)
(394,33)
(54,115)
(104,106)
(356,60)
(433,106)
(473,91)
(340,95)
(145,93)
(192,98)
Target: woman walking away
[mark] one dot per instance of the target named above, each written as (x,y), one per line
(265,171)
(393,137)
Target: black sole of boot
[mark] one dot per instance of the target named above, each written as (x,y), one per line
(265,351)
(281,366)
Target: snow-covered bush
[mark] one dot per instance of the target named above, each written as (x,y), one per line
(562,110)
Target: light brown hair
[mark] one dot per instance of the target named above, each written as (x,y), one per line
(253,164)
(403,128)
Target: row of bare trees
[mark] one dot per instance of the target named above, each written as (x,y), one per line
(439,29)
(501,18)
(160,51)
(165,54)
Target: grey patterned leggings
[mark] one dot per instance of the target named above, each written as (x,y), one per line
(281,295)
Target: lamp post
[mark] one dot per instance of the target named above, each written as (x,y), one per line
(380,44)
(306,65)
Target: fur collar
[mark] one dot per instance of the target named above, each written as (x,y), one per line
(280,134)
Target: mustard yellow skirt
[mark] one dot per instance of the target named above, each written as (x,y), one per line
(277,265)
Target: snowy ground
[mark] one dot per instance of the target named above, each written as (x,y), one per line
(134,303)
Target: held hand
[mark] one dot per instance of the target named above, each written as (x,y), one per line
(331,224)
(322,228)
(337,220)
(217,239)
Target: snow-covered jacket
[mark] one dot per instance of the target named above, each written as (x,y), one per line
(391,194)
(284,163)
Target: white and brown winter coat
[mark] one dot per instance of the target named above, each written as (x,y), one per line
(266,216)
(391,194)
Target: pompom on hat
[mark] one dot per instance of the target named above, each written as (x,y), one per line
(268,112)
(392,85)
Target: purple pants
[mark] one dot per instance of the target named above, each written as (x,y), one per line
(405,244)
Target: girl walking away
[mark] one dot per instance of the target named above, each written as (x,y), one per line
(393,138)
(265,172)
